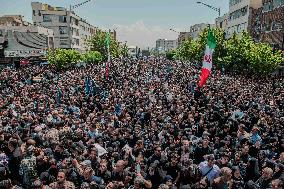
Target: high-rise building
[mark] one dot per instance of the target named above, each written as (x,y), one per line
(70,30)
(240,15)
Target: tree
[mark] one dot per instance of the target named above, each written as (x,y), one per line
(62,58)
(97,43)
(238,54)
(92,57)
(171,55)
(124,51)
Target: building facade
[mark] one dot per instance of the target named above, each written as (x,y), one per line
(196,29)
(70,30)
(183,36)
(165,45)
(25,41)
(222,22)
(268,23)
(240,15)
(13,20)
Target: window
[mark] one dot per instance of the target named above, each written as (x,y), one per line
(234,2)
(75,42)
(267,26)
(241,28)
(47,18)
(62,19)
(63,30)
(39,13)
(239,13)
(277,3)
(64,42)
(267,6)
(34,12)
(276,26)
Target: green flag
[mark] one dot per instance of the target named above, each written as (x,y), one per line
(107,40)
(211,41)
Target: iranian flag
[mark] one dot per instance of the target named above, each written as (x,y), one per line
(207,59)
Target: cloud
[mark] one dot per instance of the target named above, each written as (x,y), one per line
(141,35)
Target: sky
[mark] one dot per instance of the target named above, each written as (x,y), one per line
(139,22)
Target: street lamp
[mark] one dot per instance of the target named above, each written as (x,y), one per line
(211,7)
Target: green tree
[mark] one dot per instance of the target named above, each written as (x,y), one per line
(92,57)
(238,54)
(62,58)
(124,50)
(97,43)
(171,55)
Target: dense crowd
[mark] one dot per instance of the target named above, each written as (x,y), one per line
(144,124)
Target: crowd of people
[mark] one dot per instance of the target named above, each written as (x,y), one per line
(144,124)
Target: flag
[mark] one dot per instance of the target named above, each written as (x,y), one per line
(107,43)
(207,59)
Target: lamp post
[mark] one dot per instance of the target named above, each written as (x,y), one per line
(211,7)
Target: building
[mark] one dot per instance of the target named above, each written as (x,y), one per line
(196,29)
(222,22)
(240,15)
(165,45)
(70,30)
(113,34)
(13,20)
(17,42)
(268,23)
(183,36)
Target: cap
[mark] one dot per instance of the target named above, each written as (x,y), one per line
(168,178)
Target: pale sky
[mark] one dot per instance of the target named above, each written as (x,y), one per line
(139,22)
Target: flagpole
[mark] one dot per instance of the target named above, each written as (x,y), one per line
(108,54)
(108,51)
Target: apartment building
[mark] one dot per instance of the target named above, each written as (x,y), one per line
(165,45)
(240,15)
(268,23)
(183,36)
(70,30)
(196,29)
(222,22)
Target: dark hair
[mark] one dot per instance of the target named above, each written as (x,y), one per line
(13,143)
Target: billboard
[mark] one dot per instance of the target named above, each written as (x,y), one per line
(24,53)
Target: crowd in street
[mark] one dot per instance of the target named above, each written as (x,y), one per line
(144,124)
